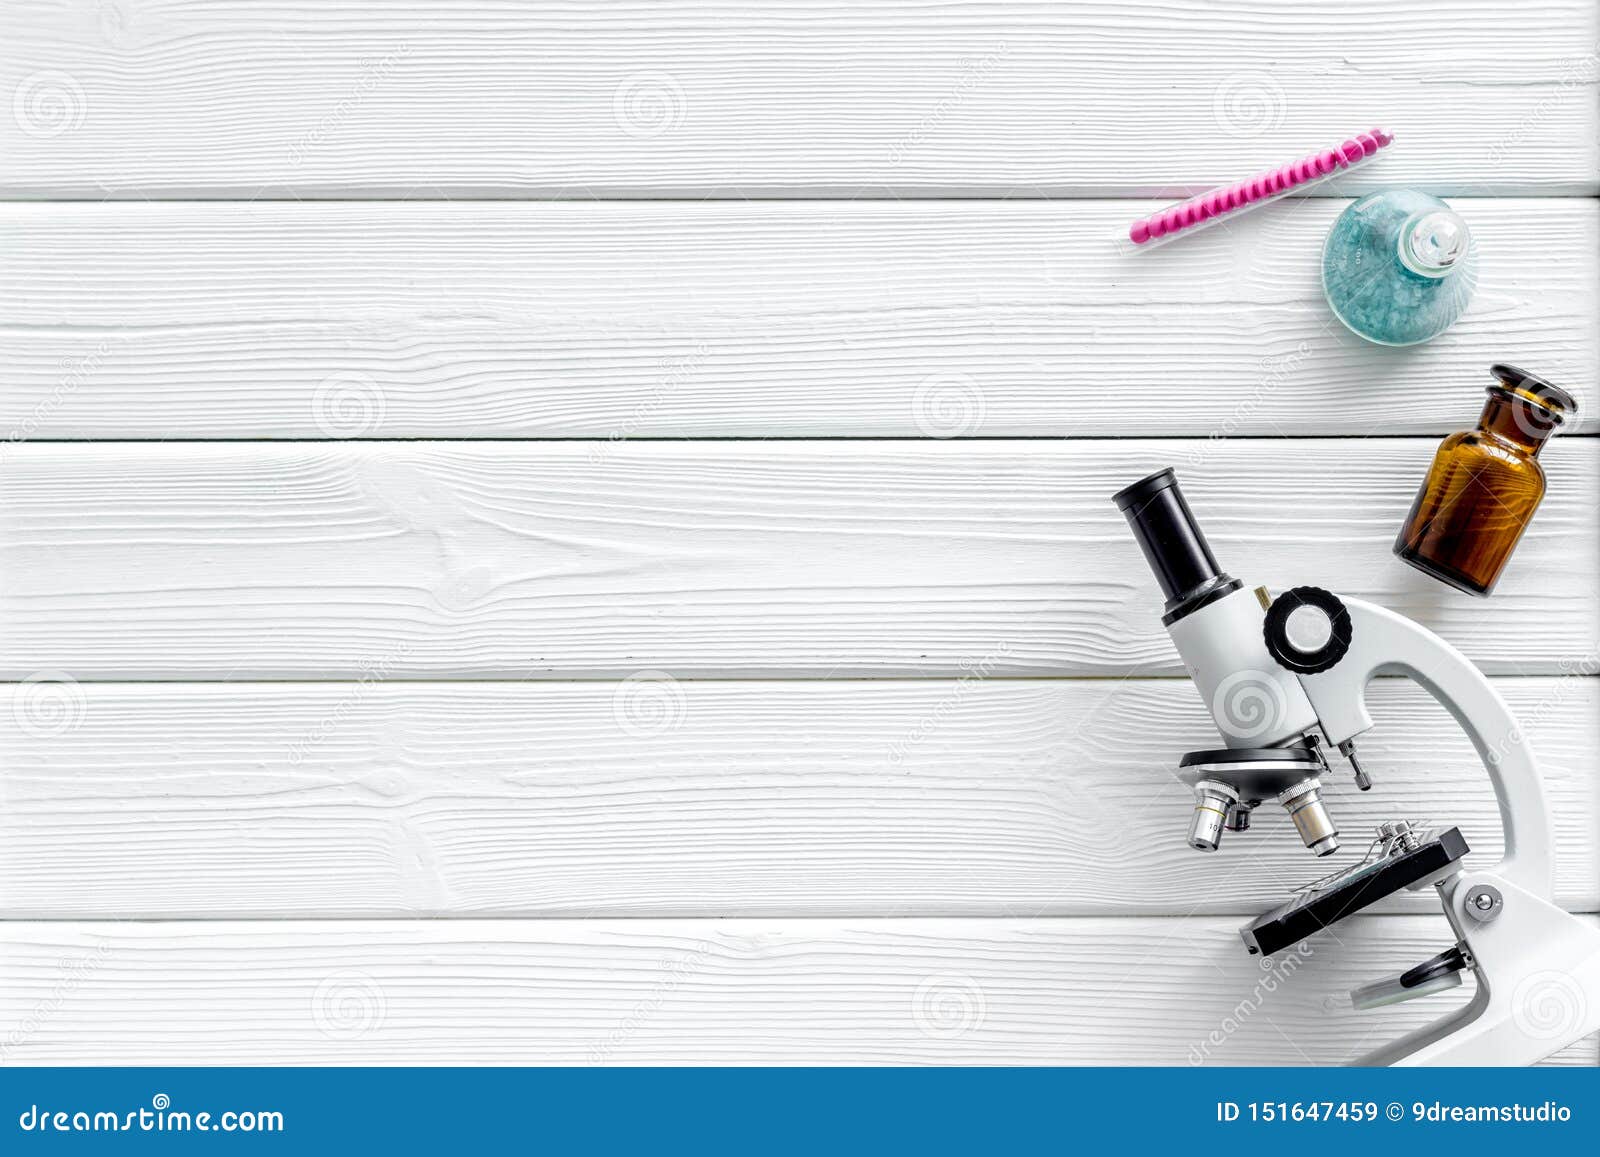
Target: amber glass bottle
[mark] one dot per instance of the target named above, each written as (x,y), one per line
(1484,485)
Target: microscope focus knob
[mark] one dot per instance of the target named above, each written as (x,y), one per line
(1307,630)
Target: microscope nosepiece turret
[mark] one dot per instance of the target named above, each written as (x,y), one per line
(1229,782)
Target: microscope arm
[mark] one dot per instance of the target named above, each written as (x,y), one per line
(1537,967)
(1384,643)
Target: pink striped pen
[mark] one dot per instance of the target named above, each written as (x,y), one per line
(1228,201)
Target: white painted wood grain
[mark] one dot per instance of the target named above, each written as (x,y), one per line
(913,991)
(817,559)
(926,797)
(932,800)
(174,98)
(743,320)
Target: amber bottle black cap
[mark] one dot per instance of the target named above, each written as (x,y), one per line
(1531,387)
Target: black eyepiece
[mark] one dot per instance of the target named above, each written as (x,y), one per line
(1173,544)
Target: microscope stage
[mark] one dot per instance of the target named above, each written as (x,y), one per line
(1299,918)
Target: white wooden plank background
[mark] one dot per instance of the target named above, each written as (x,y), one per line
(1042,991)
(657,798)
(176,98)
(943,901)
(889,319)
(710,559)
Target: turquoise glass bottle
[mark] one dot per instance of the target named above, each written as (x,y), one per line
(1399,267)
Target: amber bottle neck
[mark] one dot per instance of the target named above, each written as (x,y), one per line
(1519,422)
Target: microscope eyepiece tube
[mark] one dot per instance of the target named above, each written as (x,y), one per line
(1173,544)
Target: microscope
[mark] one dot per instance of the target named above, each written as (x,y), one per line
(1285,679)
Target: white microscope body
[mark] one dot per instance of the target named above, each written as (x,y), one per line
(1273,676)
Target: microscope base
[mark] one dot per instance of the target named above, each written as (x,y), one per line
(1538,981)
